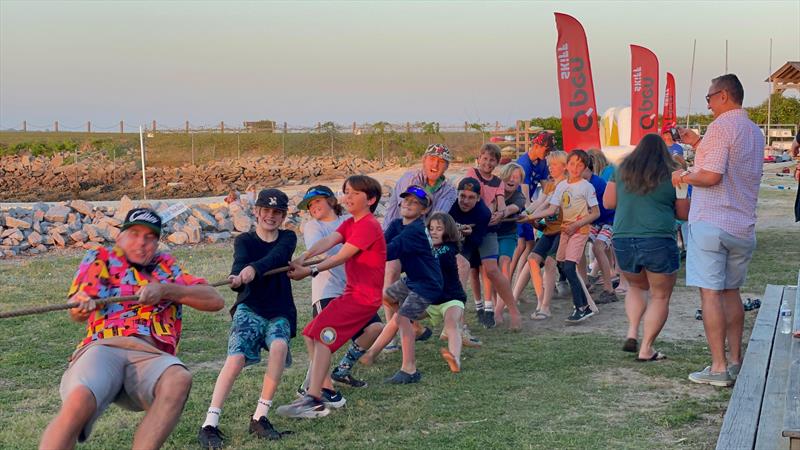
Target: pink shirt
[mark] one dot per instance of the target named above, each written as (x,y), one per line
(490,188)
(734,147)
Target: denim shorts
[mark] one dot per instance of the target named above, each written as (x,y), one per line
(654,254)
(251,332)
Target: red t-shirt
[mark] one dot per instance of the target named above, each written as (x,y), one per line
(364,271)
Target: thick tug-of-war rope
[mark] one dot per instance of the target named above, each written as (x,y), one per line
(126,298)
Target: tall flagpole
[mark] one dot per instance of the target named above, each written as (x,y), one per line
(726,56)
(691,80)
(769,97)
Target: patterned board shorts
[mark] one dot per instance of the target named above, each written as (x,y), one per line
(250,333)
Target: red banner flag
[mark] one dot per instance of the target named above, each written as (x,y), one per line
(669,102)
(579,124)
(644,93)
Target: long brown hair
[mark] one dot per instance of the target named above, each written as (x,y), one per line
(451,233)
(648,165)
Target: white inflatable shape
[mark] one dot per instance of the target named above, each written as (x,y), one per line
(622,116)
(616,153)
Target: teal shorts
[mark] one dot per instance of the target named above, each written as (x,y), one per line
(507,244)
(251,332)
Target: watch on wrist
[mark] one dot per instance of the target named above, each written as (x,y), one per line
(314,271)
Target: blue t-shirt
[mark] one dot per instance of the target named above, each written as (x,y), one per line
(535,171)
(411,244)
(676,149)
(608,172)
(478,216)
(606,215)
(452,289)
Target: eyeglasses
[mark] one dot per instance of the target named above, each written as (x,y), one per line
(708,97)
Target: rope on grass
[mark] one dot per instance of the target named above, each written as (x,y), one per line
(125,298)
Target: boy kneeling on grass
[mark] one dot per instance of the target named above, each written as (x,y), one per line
(264,315)
(409,241)
(364,255)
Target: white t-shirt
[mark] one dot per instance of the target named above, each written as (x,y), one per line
(575,199)
(330,283)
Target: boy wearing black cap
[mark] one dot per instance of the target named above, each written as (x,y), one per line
(473,216)
(264,315)
(409,241)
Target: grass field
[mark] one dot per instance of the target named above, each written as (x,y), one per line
(171,149)
(534,389)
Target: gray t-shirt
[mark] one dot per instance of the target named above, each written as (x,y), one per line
(330,283)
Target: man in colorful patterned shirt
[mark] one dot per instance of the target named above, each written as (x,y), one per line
(128,354)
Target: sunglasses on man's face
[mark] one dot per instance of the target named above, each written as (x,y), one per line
(418,192)
(708,97)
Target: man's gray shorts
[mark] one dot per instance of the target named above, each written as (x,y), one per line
(715,259)
(125,373)
(412,305)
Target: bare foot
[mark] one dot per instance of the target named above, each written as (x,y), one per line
(367,359)
(516,322)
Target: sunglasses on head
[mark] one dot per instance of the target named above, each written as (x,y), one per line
(418,191)
(317,192)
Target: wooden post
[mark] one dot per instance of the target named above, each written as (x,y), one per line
(222,127)
(408,127)
(283,139)
(187,127)
(192,148)
(121,127)
(238,147)
(24,125)
(466,126)
(56,126)
(154,126)
(497,125)
(354,127)
(89,126)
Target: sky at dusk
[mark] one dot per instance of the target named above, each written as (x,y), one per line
(305,62)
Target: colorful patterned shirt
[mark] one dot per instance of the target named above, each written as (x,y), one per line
(105,272)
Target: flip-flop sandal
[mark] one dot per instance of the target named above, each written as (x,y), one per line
(450,360)
(538,315)
(631,346)
(657,356)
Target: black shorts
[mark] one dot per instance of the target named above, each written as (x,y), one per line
(316,308)
(547,245)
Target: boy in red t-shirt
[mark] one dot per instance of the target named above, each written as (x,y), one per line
(364,256)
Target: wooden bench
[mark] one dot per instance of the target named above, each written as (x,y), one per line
(764,410)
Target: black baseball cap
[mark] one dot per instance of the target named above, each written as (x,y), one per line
(314,192)
(273,198)
(143,216)
(470,184)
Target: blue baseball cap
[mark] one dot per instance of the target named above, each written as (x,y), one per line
(313,192)
(419,193)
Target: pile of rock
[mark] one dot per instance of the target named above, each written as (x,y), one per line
(24,177)
(80,224)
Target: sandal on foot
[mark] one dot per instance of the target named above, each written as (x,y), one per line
(451,361)
(657,356)
(631,346)
(538,315)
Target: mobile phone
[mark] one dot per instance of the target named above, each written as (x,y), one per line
(675,135)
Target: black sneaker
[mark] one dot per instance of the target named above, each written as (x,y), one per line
(348,380)
(579,316)
(301,391)
(479,314)
(401,377)
(425,335)
(263,429)
(333,399)
(210,437)
(488,319)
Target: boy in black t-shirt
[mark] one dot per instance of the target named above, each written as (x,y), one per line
(264,315)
